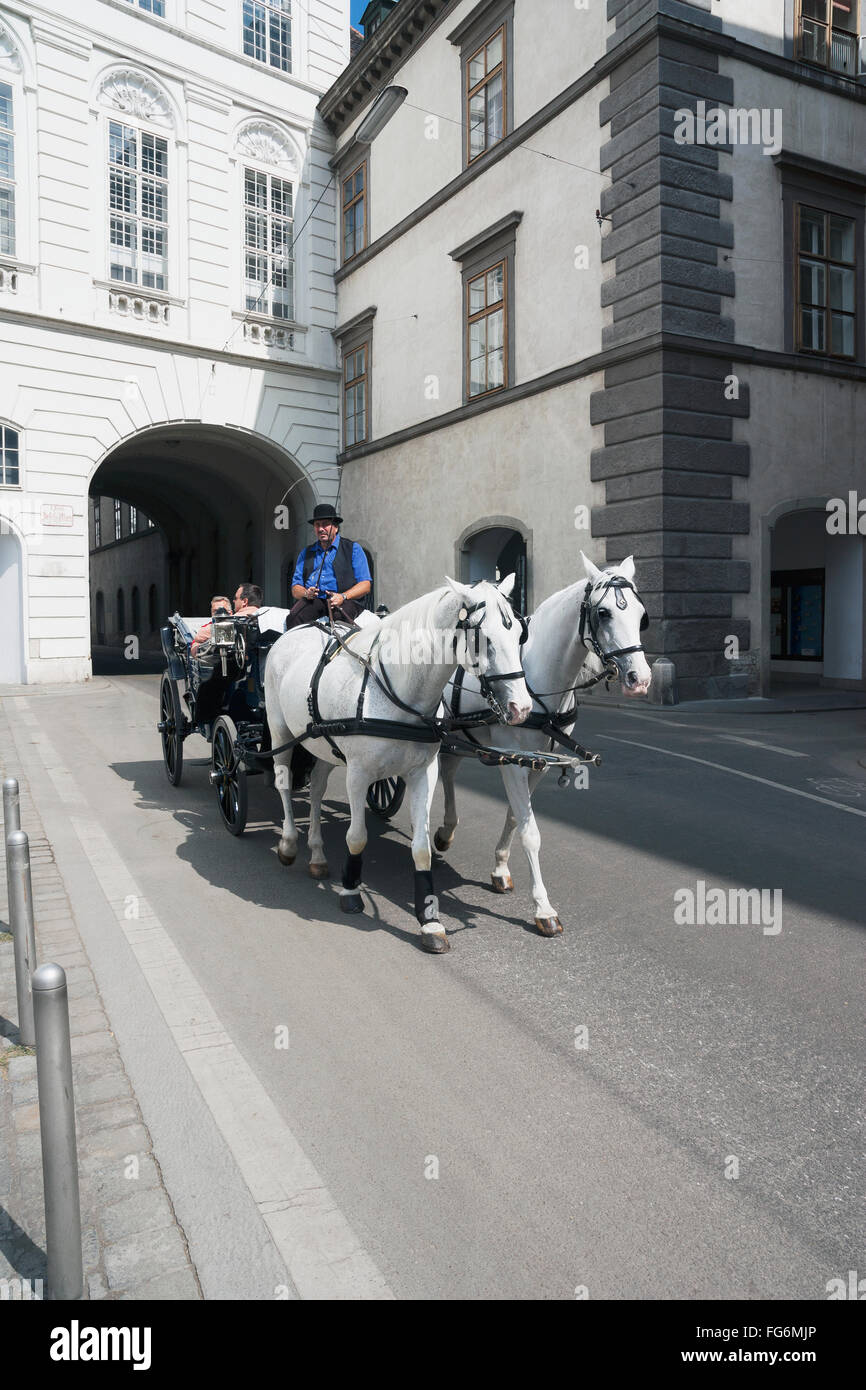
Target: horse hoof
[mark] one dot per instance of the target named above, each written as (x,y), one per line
(442,842)
(285,857)
(435,943)
(549,926)
(502,885)
(352,902)
(319,871)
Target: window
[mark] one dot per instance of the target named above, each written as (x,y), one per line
(97,523)
(355,212)
(117,523)
(138,207)
(10,475)
(826,283)
(269,268)
(121,612)
(485,307)
(136,609)
(152,6)
(268,32)
(7,172)
(485,96)
(355,364)
(485,42)
(151,608)
(827,34)
(487,262)
(133,520)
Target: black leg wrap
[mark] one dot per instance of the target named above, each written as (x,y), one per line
(426,903)
(352,870)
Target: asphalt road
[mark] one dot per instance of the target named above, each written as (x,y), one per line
(639,1109)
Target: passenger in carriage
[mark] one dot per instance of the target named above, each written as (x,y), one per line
(332,568)
(219,605)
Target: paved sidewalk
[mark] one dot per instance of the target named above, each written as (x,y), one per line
(133,1246)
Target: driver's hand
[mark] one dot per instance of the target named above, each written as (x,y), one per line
(310,593)
(336,598)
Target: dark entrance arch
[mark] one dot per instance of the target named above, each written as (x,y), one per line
(492,552)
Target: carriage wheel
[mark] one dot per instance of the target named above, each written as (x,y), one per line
(386,797)
(228,777)
(171,729)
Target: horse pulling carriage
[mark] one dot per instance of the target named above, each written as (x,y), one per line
(386,715)
(222,699)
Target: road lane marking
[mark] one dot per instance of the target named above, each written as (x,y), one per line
(771,747)
(322,1254)
(735,772)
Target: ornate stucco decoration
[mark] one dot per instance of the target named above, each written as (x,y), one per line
(9,57)
(267,144)
(136,94)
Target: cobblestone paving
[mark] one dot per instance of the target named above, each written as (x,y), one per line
(133,1247)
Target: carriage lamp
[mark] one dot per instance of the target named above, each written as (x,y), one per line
(224,639)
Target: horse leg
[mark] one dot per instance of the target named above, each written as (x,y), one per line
(318,781)
(357,782)
(520,785)
(501,877)
(288,846)
(444,836)
(421,785)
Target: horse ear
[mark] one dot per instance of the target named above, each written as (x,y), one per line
(506,587)
(592,571)
(627,567)
(461,589)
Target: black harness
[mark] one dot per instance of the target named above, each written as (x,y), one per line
(589,616)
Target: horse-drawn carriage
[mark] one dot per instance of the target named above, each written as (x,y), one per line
(383,700)
(221,697)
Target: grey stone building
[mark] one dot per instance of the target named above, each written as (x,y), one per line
(129,575)
(604,263)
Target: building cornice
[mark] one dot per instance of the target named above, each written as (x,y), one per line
(790,162)
(361,320)
(161,344)
(741,353)
(381,56)
(477,242)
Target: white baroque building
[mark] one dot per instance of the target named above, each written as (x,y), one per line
(167,300)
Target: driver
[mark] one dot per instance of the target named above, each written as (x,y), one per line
(333,569)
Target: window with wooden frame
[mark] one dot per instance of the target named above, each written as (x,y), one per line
(486,330)
(485,40)
(355,212)
(826,280)
(828,34)
(485,96)
(487,265)
(356,395)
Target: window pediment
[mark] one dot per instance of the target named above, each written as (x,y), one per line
(10,59)
(265,143)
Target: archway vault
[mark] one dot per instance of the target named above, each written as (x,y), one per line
(232,505)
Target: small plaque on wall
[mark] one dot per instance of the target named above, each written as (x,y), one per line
(56,514)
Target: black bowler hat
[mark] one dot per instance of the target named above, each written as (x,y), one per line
(324,512)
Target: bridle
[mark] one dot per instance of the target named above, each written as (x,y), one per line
(487,682)
(588,631)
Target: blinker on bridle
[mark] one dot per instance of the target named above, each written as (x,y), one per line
(486,682)
(589,616)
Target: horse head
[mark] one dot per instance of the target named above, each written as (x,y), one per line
(612,619)
(487,643)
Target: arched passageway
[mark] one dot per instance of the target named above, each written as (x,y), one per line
(12,671)
(494,552)
(229,506)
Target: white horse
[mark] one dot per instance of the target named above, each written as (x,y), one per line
(601,612)
(413,651)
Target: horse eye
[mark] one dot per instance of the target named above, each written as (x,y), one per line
(603,614)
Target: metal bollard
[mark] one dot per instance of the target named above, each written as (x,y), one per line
(11,817)
(23,931)
(57,1124)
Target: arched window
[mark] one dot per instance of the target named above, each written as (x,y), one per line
(139,126)
(100,618)
(136,609)
(493,553)
(151,608)
(121,613)
(10,472)
(269,171)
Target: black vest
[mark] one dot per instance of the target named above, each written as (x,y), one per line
(343,571)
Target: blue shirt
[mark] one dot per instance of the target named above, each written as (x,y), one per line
(326,581)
